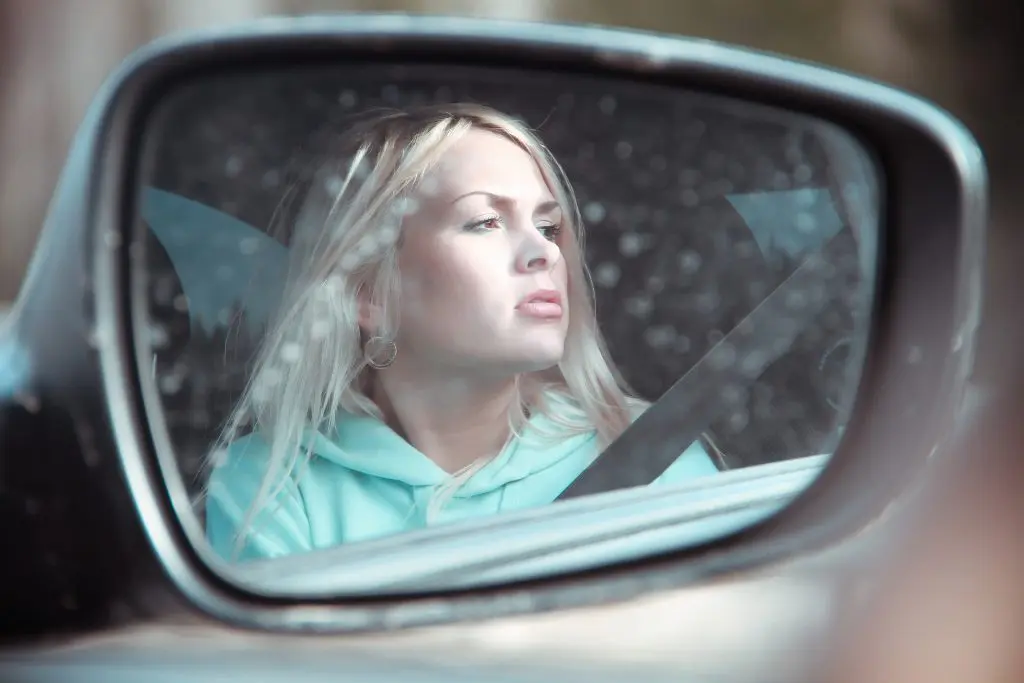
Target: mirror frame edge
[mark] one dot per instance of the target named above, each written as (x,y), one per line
(737,72)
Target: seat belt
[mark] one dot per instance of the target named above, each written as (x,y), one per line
(716,382)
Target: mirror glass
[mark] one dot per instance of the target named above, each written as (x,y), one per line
(390,298)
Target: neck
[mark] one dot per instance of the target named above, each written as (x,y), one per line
(454,422)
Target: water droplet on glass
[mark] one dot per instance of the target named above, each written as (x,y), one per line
(390,93)
(348,261)
(752,363)
(607,274)
(225,272)
(723,356)
(623,150)
(271,179)
(366,248)
(631,244)
(796,299)
(745,249)
(731,394)
(334,184)
(806,223)
(388,234)
(607,105)
(738,421)
(362,169)
(655,284)
(690,197)
(708,301)
(806,200)
(249,245)
(219,458)
(291,353)
(406,206)
(181,303)
(594,212)
(158,337)
(660,336)
(915,355)
(171,383)
(96,337)
(319,329)
(112,238)
(271,377)
(802,174)
(853,193)
(689,262)
(639,306)
(163,289)
(233,166)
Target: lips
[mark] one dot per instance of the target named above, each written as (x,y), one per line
(545,304)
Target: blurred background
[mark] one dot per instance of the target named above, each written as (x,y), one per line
(946,50)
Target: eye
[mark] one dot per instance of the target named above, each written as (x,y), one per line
(484,224)
(550,232)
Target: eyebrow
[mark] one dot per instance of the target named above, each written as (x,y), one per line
(543,207)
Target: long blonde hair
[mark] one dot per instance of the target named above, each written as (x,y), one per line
(312,365)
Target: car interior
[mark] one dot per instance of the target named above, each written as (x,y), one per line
(640,227)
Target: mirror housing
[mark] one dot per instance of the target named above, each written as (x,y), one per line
(80,456)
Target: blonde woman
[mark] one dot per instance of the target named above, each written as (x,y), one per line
(437,355)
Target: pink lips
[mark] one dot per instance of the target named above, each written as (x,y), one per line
(545,304)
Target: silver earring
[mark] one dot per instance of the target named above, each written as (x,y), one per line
(380,352)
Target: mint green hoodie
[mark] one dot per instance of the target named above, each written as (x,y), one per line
(366,481)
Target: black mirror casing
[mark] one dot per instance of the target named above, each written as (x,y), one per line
(91,534)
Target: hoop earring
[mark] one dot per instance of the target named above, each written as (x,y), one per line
(380,352)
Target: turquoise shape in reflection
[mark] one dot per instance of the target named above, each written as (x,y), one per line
(223,263)
(791,223)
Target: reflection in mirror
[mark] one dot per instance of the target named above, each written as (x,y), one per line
(372,309)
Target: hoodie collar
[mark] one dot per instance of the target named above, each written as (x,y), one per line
(364,444)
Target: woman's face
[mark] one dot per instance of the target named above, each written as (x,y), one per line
(483,280)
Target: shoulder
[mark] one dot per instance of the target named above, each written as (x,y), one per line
(237,497)
(236,474)
(244,459)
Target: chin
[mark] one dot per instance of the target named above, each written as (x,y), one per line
(542,356)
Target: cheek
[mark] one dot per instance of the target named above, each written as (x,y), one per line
(561,273)
(444,282)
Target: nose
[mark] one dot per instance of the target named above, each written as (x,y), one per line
(536,252)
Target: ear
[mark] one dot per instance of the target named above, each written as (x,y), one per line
(371,314)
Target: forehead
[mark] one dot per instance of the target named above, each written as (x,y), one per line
(486,161)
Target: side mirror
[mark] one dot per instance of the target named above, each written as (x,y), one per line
(786,262)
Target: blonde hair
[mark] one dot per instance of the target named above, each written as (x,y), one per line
(312,364)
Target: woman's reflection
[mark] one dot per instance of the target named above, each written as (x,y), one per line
(436,356)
